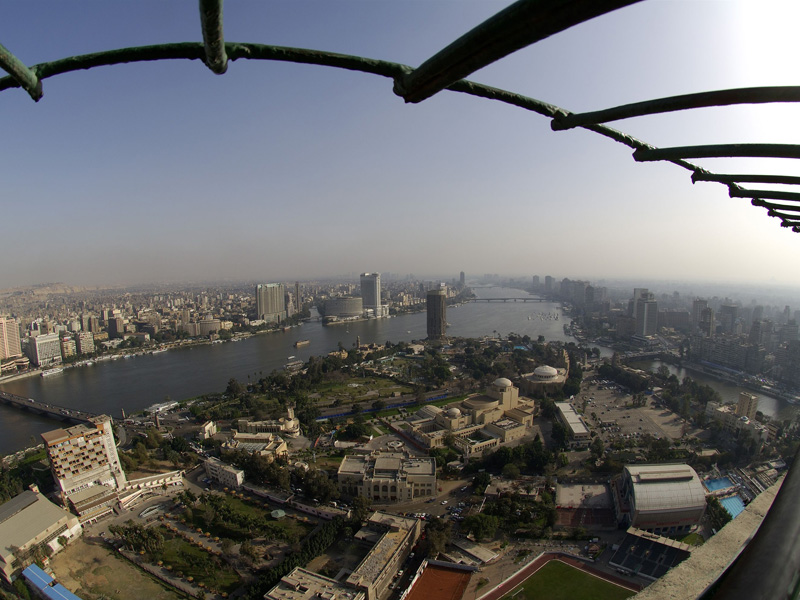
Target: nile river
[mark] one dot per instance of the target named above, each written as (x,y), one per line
(137,382)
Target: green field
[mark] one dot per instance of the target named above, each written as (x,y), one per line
(559,581)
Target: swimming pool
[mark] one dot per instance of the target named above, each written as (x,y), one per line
(712,485)
(733,505)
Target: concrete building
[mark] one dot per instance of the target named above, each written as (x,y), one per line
(268,445)
(44,350)
(579,436)
(544,380)
(83,456)
(371,292)
(387,477)
(68,347)
(436,304)
(270,303)
(393,537)
(301,584)
(9,339)
(26,521)
(341,308)
(288,426)
(646,313)
(479,423)
(740,426)
(85,342)
(661,499)
(207,430)
(226,475)
(747,405)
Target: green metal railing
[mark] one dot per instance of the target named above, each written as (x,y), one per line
(523,23)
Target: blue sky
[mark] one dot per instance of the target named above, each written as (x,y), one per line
(166,172)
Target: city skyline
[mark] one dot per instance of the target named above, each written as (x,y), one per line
(229,171)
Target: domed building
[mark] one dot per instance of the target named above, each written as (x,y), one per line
(544,380)
(479,423)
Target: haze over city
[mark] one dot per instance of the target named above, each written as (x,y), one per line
(158,172)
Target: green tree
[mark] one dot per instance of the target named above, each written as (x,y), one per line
(482,526)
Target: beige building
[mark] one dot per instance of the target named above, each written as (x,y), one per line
(207,430)
(479,423)
(288,426)
(387,477)
(224,474)
(83,456)
(9,339)
(544,380)
(747,405)
(268,445)
(728,418)
(85,342)
(28,520)
(301,584)
(579,436)
(393,537)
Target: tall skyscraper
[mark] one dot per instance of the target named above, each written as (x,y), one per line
(645,312)
(297,299)
(697,309)
(9,338)
(462,279)
(371,291)
(707,327)
(270,303)
(436,303)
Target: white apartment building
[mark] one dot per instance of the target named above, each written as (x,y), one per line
(84,456)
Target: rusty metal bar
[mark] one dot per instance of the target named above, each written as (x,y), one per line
(213,35)
(773,206)
(25,77)
(196,51)
(700,175)
(719,151)
(755,95)
(519,25)
(737,192)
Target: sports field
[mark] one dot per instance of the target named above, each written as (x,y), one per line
(559,581)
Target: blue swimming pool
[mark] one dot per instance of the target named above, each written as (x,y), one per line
(712,485)
(733,505)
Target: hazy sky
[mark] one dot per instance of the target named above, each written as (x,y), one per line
(164,171)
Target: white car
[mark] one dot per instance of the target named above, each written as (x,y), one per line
(443,502)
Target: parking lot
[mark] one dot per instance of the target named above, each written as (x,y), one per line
(610,410)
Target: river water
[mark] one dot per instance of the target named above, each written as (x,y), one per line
(772,407)
(135,383)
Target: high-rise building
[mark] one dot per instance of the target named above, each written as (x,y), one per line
(548,283)
(297,299)
(536,282)
(84,456)
(707,327)
(68,347)
(645,313)
(727,315)
(270,302)
(116,327)
(9,338)
(44,350)
(747,406)
(371,291)
(462,279)
(697,308)
(437,313)
(85,341)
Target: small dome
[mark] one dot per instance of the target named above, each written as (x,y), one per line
(502,382)
(453,413)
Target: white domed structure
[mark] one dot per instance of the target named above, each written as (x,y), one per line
(502,382)
(453,413)
(545,373)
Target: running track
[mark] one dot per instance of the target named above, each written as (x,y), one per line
(520,576)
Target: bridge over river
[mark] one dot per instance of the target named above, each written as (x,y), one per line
(60,413)
(522,299)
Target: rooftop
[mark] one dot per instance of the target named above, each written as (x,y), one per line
(24,517)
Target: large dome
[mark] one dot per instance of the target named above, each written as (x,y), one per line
(502,382)
(453,413)
(545,372)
